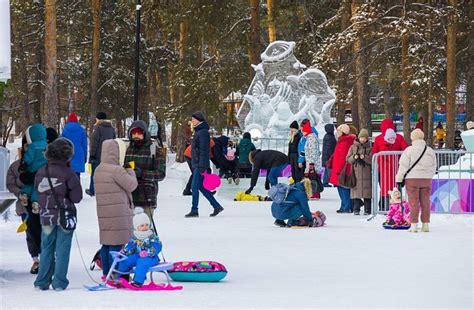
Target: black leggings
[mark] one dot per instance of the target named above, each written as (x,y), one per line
(33,233)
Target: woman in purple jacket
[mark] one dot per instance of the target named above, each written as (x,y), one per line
(58,189)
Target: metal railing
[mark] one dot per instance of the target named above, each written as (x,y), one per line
(452,186)
(278,144)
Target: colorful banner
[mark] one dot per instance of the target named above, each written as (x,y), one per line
(452,195)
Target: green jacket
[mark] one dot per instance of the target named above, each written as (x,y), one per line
(243,150)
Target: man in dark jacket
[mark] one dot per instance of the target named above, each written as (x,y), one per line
(273,161)
(243,151)
(329,143)
(200,152)
(148,167)
(103,130)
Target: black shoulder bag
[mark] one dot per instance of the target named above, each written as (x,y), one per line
(413,166)
(67,215)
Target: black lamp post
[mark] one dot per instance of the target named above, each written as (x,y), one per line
(137,60)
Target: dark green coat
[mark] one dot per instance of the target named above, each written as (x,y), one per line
(243,150)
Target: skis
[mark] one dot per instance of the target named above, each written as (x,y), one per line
(152,286)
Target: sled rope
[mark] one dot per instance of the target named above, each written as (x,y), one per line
(82,259)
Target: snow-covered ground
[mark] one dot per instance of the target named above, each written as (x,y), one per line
(350,263)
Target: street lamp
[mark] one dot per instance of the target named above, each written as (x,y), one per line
(137,60)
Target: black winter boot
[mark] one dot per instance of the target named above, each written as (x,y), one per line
(216,211)
(280,223)
(192,214)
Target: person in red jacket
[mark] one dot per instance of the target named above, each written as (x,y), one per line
(337,161)
(419,124)
(388,140)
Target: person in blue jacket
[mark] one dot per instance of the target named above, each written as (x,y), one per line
(142,249)
(295,208)
(77,135)
(32,161)
(200,156)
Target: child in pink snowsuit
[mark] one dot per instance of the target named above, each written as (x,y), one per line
(230,155)
(395,216)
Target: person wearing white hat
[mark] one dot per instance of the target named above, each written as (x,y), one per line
(142,249)
(417,167)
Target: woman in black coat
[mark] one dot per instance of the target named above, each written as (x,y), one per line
(329,144)
(295,137)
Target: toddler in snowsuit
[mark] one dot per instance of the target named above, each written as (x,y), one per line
(32,161)
(230,155)
(394,215)
(142,249)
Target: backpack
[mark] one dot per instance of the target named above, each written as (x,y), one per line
(160,153)
(279,192)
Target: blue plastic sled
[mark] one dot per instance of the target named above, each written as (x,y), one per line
(396,227)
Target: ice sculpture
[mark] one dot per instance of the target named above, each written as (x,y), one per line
(283,91)
(465,163)
(453,186)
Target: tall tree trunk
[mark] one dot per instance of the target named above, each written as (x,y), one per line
(26,100)
(385,85)
(51,85)
(183,45)
(95,60)
(254,40)
(428,121)
(361,77)
(343,85)
(354,106)
(429,118)
(470,75)
(271,20)
(405,87)
(451,79)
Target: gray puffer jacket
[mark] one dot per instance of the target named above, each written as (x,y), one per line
(113,189)
(14,185)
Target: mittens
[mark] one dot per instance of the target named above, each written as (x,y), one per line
(35,208)
(138,173)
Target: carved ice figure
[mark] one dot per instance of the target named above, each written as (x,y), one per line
(260,104)
(317,94)
(282,91)
(280,121)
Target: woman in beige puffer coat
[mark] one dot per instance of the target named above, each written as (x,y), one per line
(113,188)
(418,181)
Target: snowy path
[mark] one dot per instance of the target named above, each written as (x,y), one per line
(349,263)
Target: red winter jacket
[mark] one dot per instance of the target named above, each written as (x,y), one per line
(339,157)
(387,165)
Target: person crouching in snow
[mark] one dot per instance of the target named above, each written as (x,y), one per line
(142,249)
(295,208)
(59,188)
